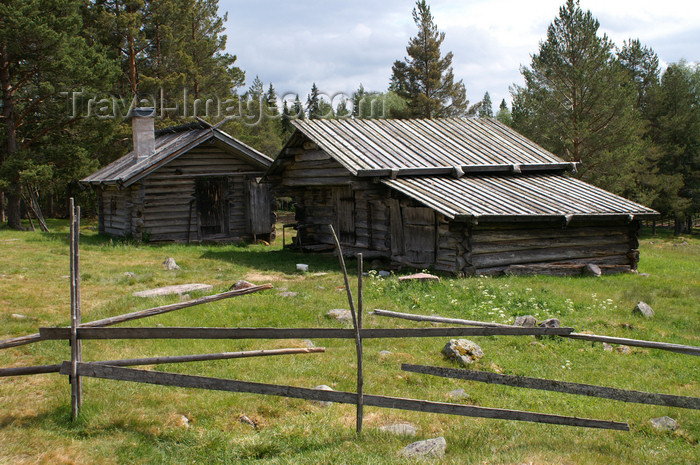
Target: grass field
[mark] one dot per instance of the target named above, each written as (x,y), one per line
(130,423)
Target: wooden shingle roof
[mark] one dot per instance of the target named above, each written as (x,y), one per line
(421,146)
(170,144)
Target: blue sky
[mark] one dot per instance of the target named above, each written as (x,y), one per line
(340,44)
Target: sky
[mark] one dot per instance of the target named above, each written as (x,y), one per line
(342,44)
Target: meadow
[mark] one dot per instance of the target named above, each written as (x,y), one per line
(133,423)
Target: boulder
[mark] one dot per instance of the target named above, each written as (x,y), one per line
(248,421)
(591,270)
(550,323)
(18,316)
(384,274)
(322,403)
(170,265)
(400,429)
(526,321)
(384,353)
(643,309)
(430,448)
(339,314)
(419,277)
(464,351)
(664,424)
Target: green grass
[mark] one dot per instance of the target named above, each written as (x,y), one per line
(131,423)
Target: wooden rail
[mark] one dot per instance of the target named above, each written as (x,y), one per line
(41,369)
(679,348)
(290,333)
(218,384)
(621,395)
(23,340)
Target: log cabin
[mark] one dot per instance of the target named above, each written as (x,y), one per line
(463,195)
(185,183)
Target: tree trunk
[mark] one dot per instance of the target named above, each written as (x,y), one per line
(14,212)
(2,207)
(677,226)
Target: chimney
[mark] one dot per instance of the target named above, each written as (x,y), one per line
(144,133)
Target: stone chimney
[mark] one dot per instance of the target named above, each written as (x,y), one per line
(144,133)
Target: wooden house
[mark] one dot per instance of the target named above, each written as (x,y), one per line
(469,196)
(186,183)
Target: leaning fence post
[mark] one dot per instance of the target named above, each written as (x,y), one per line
(356,324)
(75,352)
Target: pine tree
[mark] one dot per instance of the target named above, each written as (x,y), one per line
(298,109)
(504,115)
(425,78)
(42,54)
(578,104)
(313,103)
(486,107)
(341,110)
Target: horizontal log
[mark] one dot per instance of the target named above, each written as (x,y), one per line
(545,243)
(438,319)
(338,181)
(622,395)
(679,348)
(290,333)
(542,255)
(316,173)
(141,314)
(505,234)
(228,385)
(41,369)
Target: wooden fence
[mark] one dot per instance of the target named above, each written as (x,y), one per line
(76,369)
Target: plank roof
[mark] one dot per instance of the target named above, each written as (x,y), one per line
(516,197)
(377,147)
(170,144)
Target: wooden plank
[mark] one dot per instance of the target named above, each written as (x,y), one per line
(679,348)
(41,369)
(622,395)
(437,319)
(23,340)
(228,385)
(292,333)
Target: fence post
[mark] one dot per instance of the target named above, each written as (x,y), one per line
(76,354)
(360,371)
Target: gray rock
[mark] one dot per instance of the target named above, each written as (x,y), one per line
(18,316)
(623,350)
(129,274)
(664,423)
(183,421)
(645,275)
(178,289)
(248,421)
(241,284)
(430,448)
(526,321)
(462,350)
(322,403)
(643,309)
(419,277)
(401,429)
(287,294)
(384,353)
(170,265)
(591,270)
(309,343)
(607,347)
(339,314)
(384,274)
(550,323)
(457,394)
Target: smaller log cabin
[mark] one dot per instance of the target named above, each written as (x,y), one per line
(463,195)
(185,183)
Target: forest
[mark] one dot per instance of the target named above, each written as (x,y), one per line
(70,71)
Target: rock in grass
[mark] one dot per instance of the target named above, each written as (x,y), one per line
(170,265)
(241,284)
(309,343)
(550,323)
(643,309)
(623,350)
(248,421)
(464,351)
(430,448)
(129,275)
(664,424)
(18,316)
(384,273)
(339,314)
(592,270)
(526,321)
(183,421)
(287,294)
(457,394)
(322,403)
(400,429)
(607,347)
